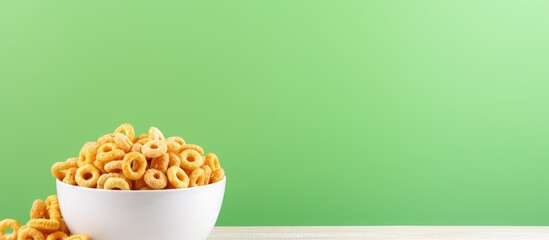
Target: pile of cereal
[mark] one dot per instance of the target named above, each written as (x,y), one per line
(124,161)
(46,223)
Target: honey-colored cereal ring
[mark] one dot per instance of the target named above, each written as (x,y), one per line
(207,173)
(108,152)
(87,175)
(58,170)
(114,166)
(44,225)
(154,148)
(70,175)
(100,166)
(87,153)
(193,147)
(11,224)
(156,134)
(141,136)
(142,141)
(52,201)
(26,233)
(78,237)
(161,163)
(103,178)
(71,162)
(54,214)
(126,129)
(176,139)
(197,178)
(173,147)
(188,172)
(53,210)
(134,165)
(212,161)
(217,175)
(145,188)
(107,138)
(123,142)
(39,209)
(139,183)
(191,159)
(115,183)
(59,235)
(174,160)
(63,227)
(177,177)
(136,147)
(155,179)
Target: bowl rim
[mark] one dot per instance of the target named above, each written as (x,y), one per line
(211,185)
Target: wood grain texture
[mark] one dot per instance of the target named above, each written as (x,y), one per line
(383,233)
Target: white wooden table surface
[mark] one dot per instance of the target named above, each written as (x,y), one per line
(383,233)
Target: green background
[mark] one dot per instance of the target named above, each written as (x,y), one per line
(322,112)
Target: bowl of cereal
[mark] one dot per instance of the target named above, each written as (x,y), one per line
(124,186)
(188,213)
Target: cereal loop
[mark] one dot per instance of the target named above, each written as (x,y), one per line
(107,138)
(78,237)
(53,211)
(191,159)
(44,224)
(177,177)
(193,147)
(103,178)
(58,170)
(126,129)
(100,166)
(155,179)
(11,224)
(141,136)
(123,142)
(136,147)
(87,153)
(160,163)
(114,166)
(53,214)
(70,175)
(115,183)
(71,162)
(154,148)
(197,178)
(217,175)
(26,233)
(108,152)
(212,161)
(173,147)
(188,172)
(207,173)
(140,183)
(63,227)
(134,165)
(87,175)
(59,235)
(156,134)
(143,141)
(174,160)
(176,139)
(38,209)
(52,201)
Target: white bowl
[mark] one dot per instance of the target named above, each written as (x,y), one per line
(188,213)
